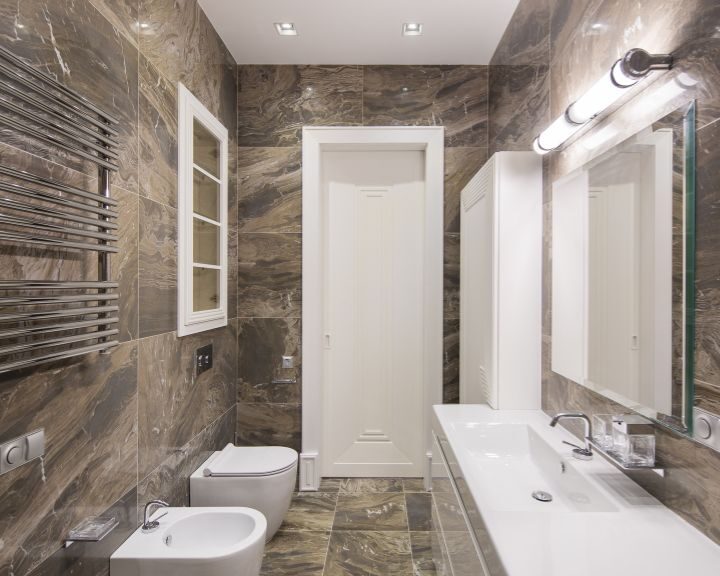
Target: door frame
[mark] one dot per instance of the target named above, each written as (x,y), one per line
(316,140)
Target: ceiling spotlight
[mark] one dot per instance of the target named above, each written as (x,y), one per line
(412,29)
(285,28)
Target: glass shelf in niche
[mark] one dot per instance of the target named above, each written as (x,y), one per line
(206,191)
(206,288)
(206,242)
(206,149)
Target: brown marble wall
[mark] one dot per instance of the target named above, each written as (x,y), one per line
(274,103)
(550,54)
(132,425)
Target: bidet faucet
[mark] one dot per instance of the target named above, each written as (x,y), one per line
(150,507)
(579,453)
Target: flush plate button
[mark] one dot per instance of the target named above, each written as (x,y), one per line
(706,428)
(13,455)
(21,450)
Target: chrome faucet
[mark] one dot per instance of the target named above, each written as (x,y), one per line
(150,507)
(578,452)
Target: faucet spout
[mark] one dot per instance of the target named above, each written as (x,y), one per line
(150,507)
(579,453)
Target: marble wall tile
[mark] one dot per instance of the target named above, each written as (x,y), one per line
(452,276)
(451,361)
(270,190)
(275,102)
(451,96)
(175,404)
(569,18)
(93,558)
(261,344)
(269,425)
(124,264)
(268,106)
(180,42)
(527,40)
(87,407)
(122,14)
(158,268)
(269,275)
(89,56)
(170,481)
(158,136)
(519,106)
(461,164)
(331,95)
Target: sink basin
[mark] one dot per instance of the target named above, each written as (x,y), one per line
(599,521)
(512,461)
(193,542)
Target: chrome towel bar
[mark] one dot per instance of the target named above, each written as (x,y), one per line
(46,320)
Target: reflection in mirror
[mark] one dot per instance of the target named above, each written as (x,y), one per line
(638,266)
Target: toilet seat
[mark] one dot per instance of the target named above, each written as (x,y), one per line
(250,461)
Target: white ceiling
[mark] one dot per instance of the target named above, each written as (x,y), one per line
(361,31)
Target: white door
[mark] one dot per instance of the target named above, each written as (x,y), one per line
(373,390)
(613,341)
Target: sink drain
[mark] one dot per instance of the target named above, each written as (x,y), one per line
(542,496)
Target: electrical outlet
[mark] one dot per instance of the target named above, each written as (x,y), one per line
(288,362)
(203,359)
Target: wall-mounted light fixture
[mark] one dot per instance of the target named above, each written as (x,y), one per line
(626,72)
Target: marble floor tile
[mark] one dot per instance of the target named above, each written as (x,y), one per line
(311,511)
(421,549)
(293,553)
(413,484)
(366,485)
(419,511)
(370,512)
(330,484)
(369,554)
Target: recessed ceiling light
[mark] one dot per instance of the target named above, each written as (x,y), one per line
(285,28)
(412,29)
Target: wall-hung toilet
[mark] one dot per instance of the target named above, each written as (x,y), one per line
(259,477)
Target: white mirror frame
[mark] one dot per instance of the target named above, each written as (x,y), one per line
(190,322)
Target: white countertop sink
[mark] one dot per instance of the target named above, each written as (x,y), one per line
(599,522)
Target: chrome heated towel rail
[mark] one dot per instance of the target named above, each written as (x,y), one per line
(46,320)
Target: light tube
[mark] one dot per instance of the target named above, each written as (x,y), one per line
(626,72)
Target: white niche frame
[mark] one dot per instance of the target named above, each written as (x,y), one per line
(189,321)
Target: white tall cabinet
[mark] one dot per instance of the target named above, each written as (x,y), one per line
(501,283)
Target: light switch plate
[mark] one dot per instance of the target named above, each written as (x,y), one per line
(203,359)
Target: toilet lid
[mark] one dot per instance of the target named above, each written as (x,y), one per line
(251,461)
